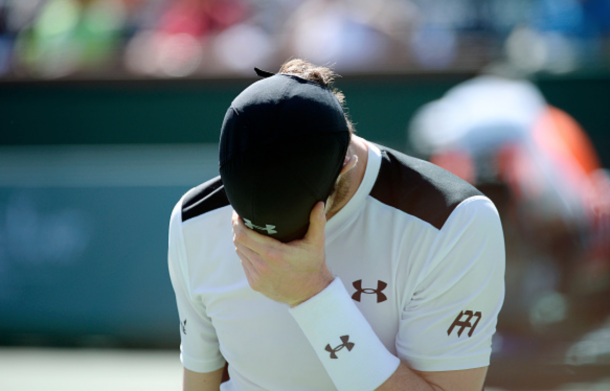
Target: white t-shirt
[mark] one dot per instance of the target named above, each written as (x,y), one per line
(420,251)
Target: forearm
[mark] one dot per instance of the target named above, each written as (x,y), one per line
(405,378)
(194,381)
(356,359)
(346,345)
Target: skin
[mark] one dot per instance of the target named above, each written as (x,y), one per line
(294,272)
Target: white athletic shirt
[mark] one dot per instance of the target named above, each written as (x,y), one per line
(420,251)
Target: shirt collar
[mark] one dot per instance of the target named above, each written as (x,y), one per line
(349,211)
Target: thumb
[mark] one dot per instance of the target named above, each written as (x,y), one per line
(317,223)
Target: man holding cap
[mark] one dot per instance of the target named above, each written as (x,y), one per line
(321,261)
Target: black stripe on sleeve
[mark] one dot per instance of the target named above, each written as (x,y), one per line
(419,188)
(204,198)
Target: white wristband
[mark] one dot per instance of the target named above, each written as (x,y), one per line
(347,346)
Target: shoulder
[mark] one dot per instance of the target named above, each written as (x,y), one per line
(419,188)
(197,202)
(202,199)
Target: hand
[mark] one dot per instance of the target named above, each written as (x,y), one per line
(285,272)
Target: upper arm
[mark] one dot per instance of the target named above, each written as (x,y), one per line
(195,381)
(449,321)
(199,342)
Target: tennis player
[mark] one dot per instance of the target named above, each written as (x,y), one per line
(321,261)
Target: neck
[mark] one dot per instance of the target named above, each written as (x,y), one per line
(349,184)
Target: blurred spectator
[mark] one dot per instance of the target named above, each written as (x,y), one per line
(69,35)
(352,34)
(542,172)
(176,44)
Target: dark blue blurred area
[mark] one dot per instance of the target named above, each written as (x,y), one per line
(86,264)
(83,242)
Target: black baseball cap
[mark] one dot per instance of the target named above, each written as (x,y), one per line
(282,146)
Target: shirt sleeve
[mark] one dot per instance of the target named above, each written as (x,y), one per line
(450,319)
(199,344)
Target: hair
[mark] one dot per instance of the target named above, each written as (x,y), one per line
(322,75)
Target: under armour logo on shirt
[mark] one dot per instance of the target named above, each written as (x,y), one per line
(183,324)
(268,227)
(345,344)
(369,291)
(465,323)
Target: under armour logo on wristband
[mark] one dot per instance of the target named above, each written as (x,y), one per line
(345,344)
(268,227)
(465,323)
(183,324)
(369,291)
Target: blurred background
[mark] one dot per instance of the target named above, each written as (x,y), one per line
(110,110)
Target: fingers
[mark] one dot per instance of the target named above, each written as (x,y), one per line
(249,269)
(262,244)
(248,255)
(317,223)
(249,237)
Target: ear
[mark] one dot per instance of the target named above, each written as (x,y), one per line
(349,163)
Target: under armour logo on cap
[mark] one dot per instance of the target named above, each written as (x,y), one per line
(270,229)
(369,291)
(345,344)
